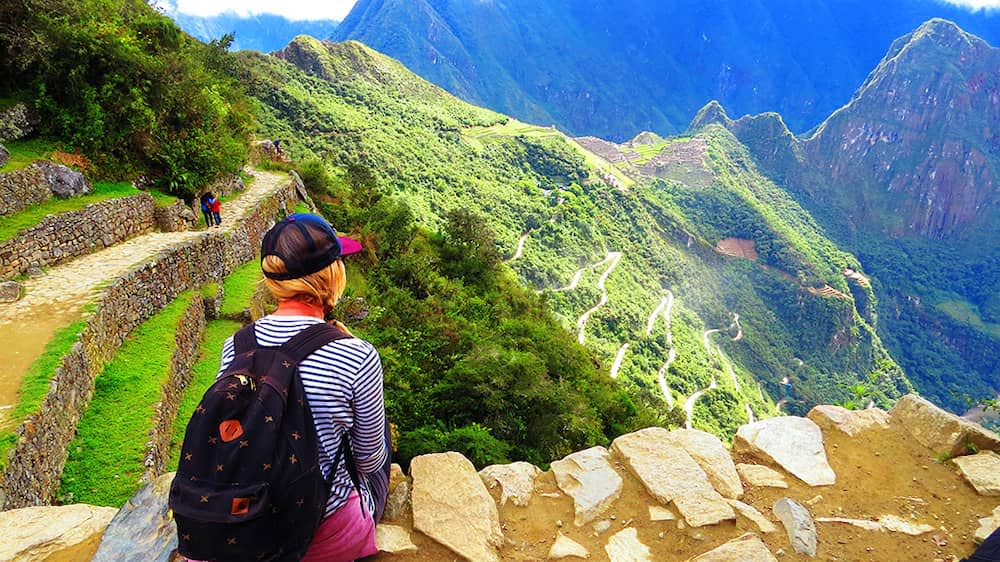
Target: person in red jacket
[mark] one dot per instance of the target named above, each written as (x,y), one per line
(215,206)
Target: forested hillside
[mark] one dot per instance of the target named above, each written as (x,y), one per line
(733,327)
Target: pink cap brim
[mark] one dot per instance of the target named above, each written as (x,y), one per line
(348,246)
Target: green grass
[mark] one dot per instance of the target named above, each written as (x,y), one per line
(966,313)
(239,287)
(203,376)
(301,207)
(35,385)
(12,224)
(24,152)
(106,458)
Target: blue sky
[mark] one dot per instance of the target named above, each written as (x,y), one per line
(338,9)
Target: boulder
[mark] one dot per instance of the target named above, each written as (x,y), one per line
(751,513)
(747,548)
(564,547)
(982,470)
(988,525)
(795,444)
(396,503)
(713,457)
(851,422)
(69,532)
(64,182)
(761,476)
(671,475)
(10,291)
(142,530)
(516,481)
(941,431)
(798,524)
(624,546)
(588,478)
(15,123)
(393,539)
(451,506)
(4,156)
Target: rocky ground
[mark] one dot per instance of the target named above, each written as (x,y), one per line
(858,486)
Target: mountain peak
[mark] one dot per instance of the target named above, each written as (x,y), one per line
(712,112)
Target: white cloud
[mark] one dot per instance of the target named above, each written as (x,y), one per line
(290,9)
(975,5)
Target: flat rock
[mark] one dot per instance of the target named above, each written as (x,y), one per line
(898,525)
(565,547)
(68,532)
(851,422)
(747,548)
(865,524)
(713,457)
(516,481)
(141,531)
(795,444)
(393,539)
(751,513)
(982,470)
(624,546)
(761,476)
(10,291)
(941,431)
(588,478)
(798,524)
(670,475)
(451,506)
(987,525)
(660,513)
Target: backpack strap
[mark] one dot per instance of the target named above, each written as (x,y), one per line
(312,338)
(245,339)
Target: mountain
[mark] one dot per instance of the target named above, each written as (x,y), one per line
(262,32)
(612,69)
(905,175)
(633,254)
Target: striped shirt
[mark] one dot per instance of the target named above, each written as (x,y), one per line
(343,384)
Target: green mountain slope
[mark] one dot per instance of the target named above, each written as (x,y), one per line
(644,239)
(905,175)
(612,69)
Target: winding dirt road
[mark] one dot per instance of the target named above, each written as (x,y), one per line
(618,360)
(581,324)
(689,404)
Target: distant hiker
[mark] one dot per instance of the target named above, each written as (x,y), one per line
(206,209)
(277,145)
(341,379)
(215,206)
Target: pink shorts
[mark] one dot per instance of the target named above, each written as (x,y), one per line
(345,536)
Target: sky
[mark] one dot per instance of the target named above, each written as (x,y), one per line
(290,9)
(338,9)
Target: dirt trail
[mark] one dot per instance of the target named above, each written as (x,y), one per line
(520,247)
(689,404)
(662,378)
(618,360)
(579,274)
(581,324)
(56,299)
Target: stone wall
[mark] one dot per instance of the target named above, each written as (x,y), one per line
(174,218)
(58,238)
(23,188)
(36,462)
(187,343)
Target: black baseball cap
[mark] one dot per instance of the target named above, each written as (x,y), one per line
(306,243)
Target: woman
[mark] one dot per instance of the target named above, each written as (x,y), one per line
(303,269)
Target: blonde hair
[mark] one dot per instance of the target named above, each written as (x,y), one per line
(322,288)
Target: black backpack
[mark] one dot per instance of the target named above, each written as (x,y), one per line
(249,485)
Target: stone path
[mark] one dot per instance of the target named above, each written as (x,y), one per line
(56,299)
